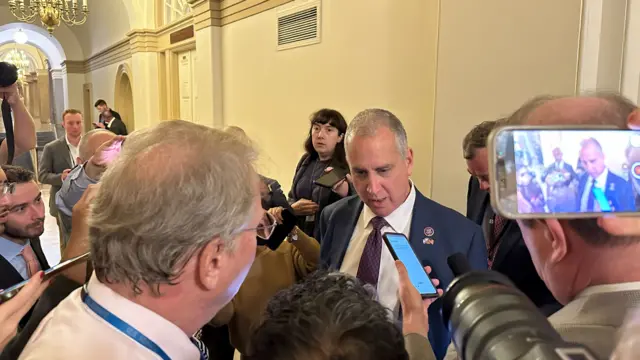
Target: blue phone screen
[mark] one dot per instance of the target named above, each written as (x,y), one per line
(418,276)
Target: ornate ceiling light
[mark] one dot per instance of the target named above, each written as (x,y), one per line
(50,12)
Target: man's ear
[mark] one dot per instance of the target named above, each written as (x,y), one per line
(556,235)
(633,120)
(211,259)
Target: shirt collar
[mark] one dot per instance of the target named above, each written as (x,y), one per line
(607,288)
(601,180)
(10,249)
(69,143)
(400,217)
(165,334)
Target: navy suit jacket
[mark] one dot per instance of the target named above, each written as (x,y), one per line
(617,190)
(453,233)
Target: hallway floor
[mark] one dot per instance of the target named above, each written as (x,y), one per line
(50,239)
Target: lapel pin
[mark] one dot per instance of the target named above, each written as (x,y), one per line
(612,187)
(428,231)
(427,241)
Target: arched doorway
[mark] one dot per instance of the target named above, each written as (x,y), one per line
(124,96)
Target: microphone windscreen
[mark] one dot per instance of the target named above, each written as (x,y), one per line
(8,74)
(458,264)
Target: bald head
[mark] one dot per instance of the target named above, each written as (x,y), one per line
(597,109)
(91,141)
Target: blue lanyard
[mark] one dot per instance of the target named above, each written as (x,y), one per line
(121,325)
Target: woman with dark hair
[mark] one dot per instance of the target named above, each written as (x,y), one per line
(324,151)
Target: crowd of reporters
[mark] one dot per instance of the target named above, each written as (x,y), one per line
(184,235)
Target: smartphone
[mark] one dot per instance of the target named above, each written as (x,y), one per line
(331,178)
(564,172)
(400,249)
(8,294)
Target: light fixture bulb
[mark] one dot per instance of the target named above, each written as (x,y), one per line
(20,37)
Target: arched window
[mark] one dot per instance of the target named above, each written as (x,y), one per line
(175,10)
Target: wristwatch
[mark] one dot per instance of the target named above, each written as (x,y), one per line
(293,235)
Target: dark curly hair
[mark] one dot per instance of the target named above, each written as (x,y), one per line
(335,119)
(328,316)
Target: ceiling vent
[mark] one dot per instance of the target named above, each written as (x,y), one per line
(299,25)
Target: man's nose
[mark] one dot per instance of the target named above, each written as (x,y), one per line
(373,186)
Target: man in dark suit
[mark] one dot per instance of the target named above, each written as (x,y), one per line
(559,177)
(350,230)
(599,189)
(21,254)
(109,119)
(58,158)
(507,252)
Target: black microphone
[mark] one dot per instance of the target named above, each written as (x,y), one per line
(8,77)
(458,264)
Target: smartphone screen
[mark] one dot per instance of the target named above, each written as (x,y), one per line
(564,172)
(331,178)
(400,249)
(8,294)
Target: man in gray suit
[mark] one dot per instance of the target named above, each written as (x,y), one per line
(58,158)
(593,272)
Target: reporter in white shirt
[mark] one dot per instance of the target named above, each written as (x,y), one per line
(172,236)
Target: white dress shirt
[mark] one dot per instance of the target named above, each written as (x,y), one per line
(400,222)
(74,152)
(601,180)
(73,331)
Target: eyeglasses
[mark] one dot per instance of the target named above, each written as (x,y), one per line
(7,188)
(266,228)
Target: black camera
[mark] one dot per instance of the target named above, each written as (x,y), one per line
(8,77)
(489,318)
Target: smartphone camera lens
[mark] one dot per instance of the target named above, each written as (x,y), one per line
(635,170)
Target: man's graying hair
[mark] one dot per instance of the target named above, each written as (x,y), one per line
(477,137)
(367,122)
(615,112)
(173,188)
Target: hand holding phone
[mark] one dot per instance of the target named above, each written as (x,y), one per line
(331,178)
(10,293)
(13,311)
(400,249)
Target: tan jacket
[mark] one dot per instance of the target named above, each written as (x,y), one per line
(271,272)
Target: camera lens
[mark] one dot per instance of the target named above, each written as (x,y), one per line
(490,319)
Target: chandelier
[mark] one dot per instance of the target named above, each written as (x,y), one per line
(19,59)
(50,12)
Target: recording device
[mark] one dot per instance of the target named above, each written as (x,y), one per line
(400,249)
(8,294)
(490,319)
(331,178)
(564,172)
(8,77)
(281,231)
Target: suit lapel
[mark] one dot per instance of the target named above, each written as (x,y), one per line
(10,275)
(37,249)
(345,227)
(424,235)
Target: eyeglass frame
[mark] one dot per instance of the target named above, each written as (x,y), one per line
(269,229)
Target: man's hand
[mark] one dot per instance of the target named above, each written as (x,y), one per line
(11,94)
(12,311)
(65,173)
(277,213)
(304,207)
(103,156)
(99,125)
(415,318)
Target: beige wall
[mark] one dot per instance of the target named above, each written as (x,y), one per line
(103,82)
(108,23)
(373,54)
(493,56)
